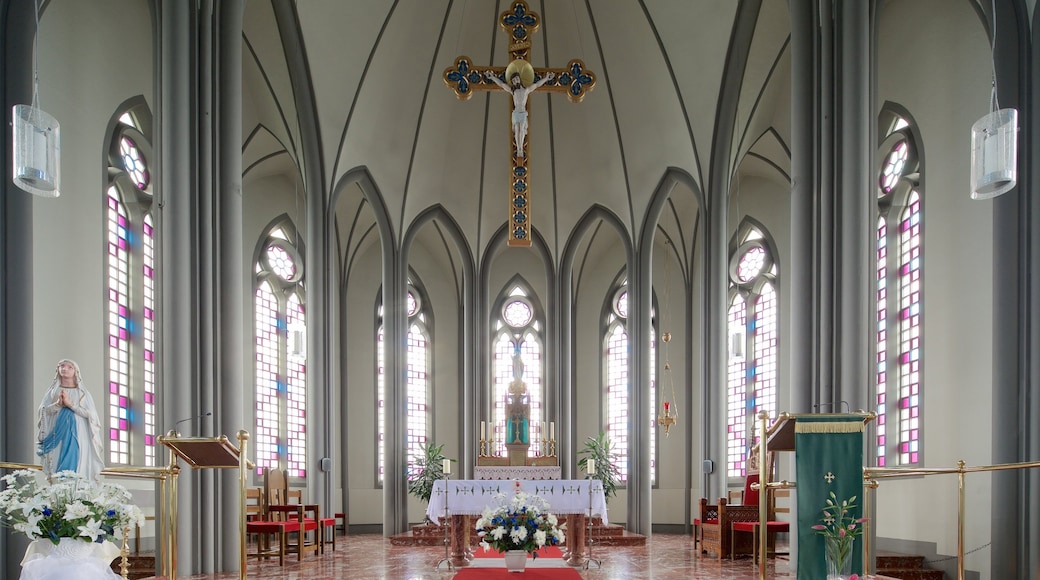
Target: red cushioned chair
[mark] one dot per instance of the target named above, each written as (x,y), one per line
(280,520)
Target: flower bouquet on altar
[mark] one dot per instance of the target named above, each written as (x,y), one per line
(72,522)
(521,523)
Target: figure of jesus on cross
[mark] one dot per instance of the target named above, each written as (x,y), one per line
(519,79)
(520,93)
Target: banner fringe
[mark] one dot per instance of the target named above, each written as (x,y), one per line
(828,427)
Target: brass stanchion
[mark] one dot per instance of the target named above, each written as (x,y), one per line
(243,437)
(764,469)
(960,519)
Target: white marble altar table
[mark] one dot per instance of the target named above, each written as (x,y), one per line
(471,496)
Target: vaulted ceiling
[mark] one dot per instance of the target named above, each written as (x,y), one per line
(699,86)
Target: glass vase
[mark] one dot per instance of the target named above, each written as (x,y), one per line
(838,553)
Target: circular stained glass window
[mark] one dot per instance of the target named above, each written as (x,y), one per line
(517,313)
(281,262)
(893,168)
(413,303)
(751,264)
(621,304)
(134,163)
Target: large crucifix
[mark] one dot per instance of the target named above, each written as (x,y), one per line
(519,79)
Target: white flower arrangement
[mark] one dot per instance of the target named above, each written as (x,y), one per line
(72,506)
(522,523)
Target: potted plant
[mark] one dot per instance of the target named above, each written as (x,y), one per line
(427,468)
(518,526)
(601,451)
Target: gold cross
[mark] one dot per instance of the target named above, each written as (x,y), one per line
(829,477)
(464,78)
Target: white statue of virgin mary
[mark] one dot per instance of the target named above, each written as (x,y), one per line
(68,434)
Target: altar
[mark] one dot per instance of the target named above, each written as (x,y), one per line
(470,496)
(462,499)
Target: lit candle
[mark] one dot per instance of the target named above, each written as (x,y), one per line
(552,430)
(482,430)
(446,466)
(590,467)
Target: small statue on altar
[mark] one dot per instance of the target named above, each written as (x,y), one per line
(518,404)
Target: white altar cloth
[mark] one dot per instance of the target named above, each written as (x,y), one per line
(521,472)
(471,496)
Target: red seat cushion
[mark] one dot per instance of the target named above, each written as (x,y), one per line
(770,526)
(712,522)
(265,527)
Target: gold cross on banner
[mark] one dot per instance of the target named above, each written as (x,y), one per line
(519,79)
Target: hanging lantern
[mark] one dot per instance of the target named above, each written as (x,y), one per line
(37,151)
(669,416)
(994,154)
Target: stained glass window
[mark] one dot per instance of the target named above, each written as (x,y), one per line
(131,286)
(280,327)
(417,383)
(881,297)
(910,331)
(149,320)
(119,323)
(617,390)
(753,344)
(898,370)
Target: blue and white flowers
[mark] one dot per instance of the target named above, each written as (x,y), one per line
(70,507)
(521,523)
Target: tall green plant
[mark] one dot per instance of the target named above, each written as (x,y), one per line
(601,450)
(427,468)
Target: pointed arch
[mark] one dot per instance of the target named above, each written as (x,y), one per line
(279,357)
(132,270)
(752,339)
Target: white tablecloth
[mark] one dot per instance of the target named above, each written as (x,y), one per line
(520,472)
(471,496)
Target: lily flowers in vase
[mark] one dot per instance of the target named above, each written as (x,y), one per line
(839,530)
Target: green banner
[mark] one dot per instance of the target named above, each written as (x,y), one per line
(828,458)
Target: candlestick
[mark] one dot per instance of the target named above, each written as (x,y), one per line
(552,430)
(481,429)
(590,467)
(446,466)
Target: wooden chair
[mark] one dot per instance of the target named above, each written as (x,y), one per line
(325,524)
(717,525)
(716,522)
(279,521)
(773,526)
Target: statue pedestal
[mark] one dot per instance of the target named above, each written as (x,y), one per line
(517,453)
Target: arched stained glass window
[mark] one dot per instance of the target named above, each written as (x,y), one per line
(280,329)
(517,356)
(753,345)
(417,381)
(899,267)
(132,270)
(617,386)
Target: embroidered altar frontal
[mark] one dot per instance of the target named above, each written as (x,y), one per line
(470,497)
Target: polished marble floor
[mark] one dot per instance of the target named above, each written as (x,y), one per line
(371,557)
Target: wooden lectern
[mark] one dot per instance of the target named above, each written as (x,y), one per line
(201,453)
(828,458)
